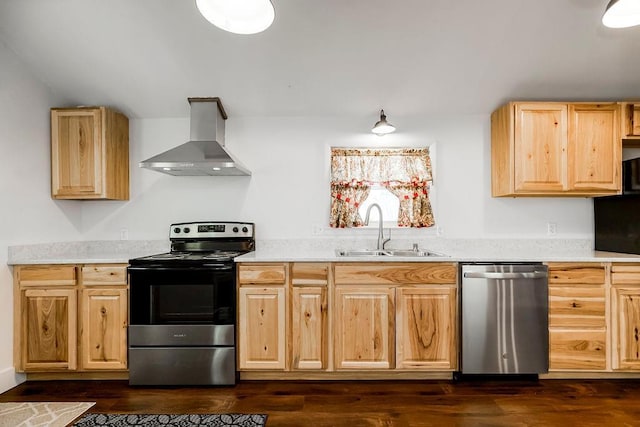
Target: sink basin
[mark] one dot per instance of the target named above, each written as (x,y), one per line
(389,253)
(362,252)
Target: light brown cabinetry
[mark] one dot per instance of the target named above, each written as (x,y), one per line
(556,149)
(63,323)
(631,122)
(309,320)
(625,308)
(577,317)
(395,316)
(262,303)
(89,153)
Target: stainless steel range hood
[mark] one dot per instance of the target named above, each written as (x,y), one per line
(205,153)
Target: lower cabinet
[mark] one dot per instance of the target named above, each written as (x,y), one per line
(70,318)
(625,322)
(577,317)
(340,317)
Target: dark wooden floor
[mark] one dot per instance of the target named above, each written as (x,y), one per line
(581,403)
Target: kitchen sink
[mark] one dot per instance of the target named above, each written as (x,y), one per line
(389,253)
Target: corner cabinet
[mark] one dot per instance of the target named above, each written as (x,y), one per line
(556,149)
(70,318)
(89,153)
(314,320)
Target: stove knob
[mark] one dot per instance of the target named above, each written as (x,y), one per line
(245,229)
(235,229)
(187,229)
(176,230)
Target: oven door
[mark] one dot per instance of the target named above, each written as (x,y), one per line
(182,295)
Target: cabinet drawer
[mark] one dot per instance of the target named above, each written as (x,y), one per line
(395,273)
(625,274)
(53,275)
(315,274)
(257,274)
(583,274)
(573,349)
(93,275)
(574,306)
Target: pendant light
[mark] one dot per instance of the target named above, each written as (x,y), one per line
(622,14)
(382,127)
(238,16)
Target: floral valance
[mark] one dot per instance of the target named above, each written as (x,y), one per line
(405,172)
(399,165)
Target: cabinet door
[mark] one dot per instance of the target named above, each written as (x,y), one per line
(309,327)
(48,329)
(594,147)
(103,337)
(540,144)
(625,303)
(76,152)
(262,328)
(364,327)
(426,328)
(574,349)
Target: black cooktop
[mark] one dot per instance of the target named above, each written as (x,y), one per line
(176,258)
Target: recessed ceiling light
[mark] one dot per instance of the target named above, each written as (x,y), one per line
(622,14)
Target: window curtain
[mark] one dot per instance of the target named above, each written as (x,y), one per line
(405,172)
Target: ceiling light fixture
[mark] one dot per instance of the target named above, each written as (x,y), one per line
(238,16)
(382,127)
(622,14)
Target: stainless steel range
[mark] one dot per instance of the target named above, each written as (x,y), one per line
(182,306)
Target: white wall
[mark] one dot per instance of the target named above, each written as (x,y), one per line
(27,212)
(287,195)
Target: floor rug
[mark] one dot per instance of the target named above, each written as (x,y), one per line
(41,414)
(172,420)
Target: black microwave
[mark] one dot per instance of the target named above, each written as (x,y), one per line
(631,176)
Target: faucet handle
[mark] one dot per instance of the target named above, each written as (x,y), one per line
(385,241)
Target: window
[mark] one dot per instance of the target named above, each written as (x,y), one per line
(360,177)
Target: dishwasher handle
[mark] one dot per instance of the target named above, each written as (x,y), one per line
(504,276)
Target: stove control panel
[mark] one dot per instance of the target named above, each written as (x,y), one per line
(211,230)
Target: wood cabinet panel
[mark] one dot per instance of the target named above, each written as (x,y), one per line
(103,336)
(626,324)
(625,274)
(631,121)
(261,327)
(577,306)
(259,274)
(395,273)
(577,273)
(310,273)
(50,275)
(426,327)
(48,329)
(309,327)
(99,275)
(540,146)
(594,147)
(364,322)
(89,153)
(577,350)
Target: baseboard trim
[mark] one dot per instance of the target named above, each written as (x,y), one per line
(9,379)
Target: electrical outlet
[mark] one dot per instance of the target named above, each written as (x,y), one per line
(316,229)
(439,230)
(124,234)
(552,228)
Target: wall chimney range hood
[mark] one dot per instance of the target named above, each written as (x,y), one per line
(204,153)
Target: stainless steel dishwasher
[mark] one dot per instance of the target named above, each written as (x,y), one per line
(504,314)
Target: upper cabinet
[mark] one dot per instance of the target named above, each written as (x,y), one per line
(556,149)
(89,153)
(631,123)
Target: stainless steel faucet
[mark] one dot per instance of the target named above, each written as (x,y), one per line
(381,239)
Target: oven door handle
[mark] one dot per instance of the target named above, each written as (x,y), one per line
(204,267)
